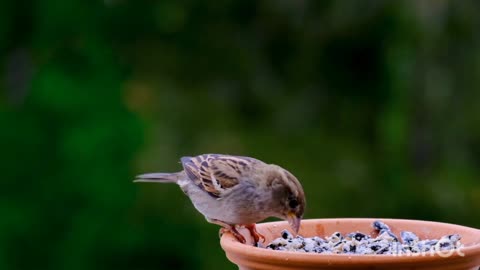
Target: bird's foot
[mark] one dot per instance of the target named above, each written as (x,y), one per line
(255,234)
(228,228)
(232,229)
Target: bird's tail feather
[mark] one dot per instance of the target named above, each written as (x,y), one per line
(158,177)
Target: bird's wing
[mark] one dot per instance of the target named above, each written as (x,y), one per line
(216,174)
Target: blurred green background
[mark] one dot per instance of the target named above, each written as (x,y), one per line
(373,105)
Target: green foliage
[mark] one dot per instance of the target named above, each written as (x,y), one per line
(373,105)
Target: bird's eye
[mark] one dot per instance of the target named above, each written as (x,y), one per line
(293,203)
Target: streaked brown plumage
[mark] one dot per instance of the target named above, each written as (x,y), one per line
(234,190)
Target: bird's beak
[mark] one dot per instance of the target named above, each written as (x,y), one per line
(294,221)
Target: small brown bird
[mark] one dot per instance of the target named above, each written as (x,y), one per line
(233,191)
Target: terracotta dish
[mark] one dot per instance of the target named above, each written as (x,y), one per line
(249,257)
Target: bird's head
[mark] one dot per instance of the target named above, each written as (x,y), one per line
(288,196)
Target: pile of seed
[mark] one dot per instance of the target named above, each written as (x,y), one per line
(358,243)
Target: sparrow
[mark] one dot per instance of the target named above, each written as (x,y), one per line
(233,191)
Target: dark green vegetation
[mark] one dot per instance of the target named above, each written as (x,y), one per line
(373,106)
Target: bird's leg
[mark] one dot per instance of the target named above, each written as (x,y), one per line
(234,231)
(253,231)
(228,228)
